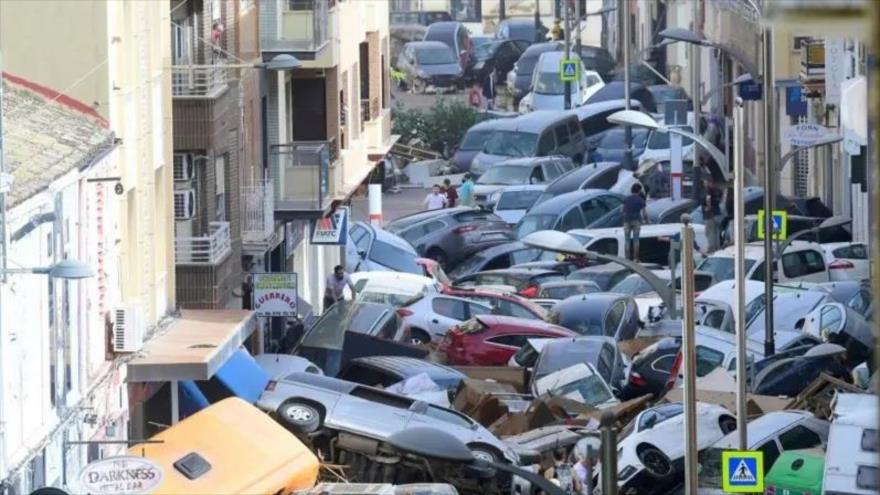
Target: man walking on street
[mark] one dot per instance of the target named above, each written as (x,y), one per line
(336,282)
(435,199)
(451,193)
(711,208)
(466,192)
(634,214)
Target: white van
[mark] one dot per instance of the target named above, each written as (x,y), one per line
(802,261)
(653,241)
(851,466)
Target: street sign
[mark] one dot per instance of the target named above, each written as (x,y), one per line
(569,69)
(332,229)
(124,475)
(780,225)
(742,471)
(807,134)
(275,294)
(750,91)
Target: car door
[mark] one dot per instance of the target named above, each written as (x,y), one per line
(563,139)
(498,350)
(389,413)
(446,312)
(571,219)
(593,209)
(356,247)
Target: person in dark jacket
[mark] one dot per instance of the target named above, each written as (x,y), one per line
(634,214)
(489,90)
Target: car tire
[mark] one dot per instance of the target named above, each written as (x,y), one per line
(302,417)
(655,461)
(417,336)
(727,424)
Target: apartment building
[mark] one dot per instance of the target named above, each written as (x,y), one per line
(328,122)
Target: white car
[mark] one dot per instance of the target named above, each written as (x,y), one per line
(659,147)
(847,260)
(548,89)
(395,288)
(518,172)
(649,447)
(580,383)
(802,261)
(512,202)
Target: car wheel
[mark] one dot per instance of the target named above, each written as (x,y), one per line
(727,424)
(484,454)
(302,417)
(437,255)
(419,86)
(417,336)
(655,461)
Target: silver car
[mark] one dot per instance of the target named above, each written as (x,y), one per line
(307,403)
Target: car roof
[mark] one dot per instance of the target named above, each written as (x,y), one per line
(755,250)
(538,48)
(421,216)
(532,122)
(523,187)
(649,230)
(711,334)
(445,26)
(387,237)
(407,366)
(590,302)
(603,268)
(321,381)
(566,283)
(486,125)
(556,204)
(724,290)
(767,426)
(424,45)
(549,61)
(518,271)
(591,109)
(573,179)
(532,160)
(507,247)
(521,323)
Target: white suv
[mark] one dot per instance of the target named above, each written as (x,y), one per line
(802,261)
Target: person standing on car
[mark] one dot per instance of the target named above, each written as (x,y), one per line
(466,191)
(451,193)
(335,287)
(711,208)
(435,200)
(489,90)
(634,214)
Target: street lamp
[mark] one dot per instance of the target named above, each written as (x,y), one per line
(688,36)
(638,119)
(65,270)
(740,79)
(795,150)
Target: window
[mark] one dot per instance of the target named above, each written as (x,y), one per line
(571,220)
(714,318)
(537,176)
(361,239)
(604,246)
(447,416)
(367,375)
(373,395)
(802,263)
(523,256)
(830,320)
(707,360)
(664,363)
(860,302)
(450,308)
(510,340)
(771,453)
(477,309)
(855,251)
(614,317)
(814,261)
(799,437)
(498,263)
(511,143)
(605,366)
(562,137)
(574,129)
(508,308)
(394,257)
(546,145)
(758,274)
(593,210)
(552,170)
(868,478)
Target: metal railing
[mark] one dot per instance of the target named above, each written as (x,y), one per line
(369,108)
(210,249)
(198,81)
(300,173)
(257,212)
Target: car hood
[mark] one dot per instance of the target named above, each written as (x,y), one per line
(483,161)
(550,102)
(511,216)
(488,189)
(441,69)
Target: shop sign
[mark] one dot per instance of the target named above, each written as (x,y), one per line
(275,294)
(125,475)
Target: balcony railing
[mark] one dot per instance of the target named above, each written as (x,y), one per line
(304,26)
(300,173)
(258,215)
(198,81)
(369,108)
(205,250)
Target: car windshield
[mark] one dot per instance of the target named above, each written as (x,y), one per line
(512,143)
(467,266)
(484,51)
(507,175)
(584,324)
(329,331)
(589,390)
(435,56)
(632,285)
(567,290)
(549,83)
(721,267)
(534,223)
(474,140)
(660,140)
(556,357)
(395,258)
(517,200)
(526,64)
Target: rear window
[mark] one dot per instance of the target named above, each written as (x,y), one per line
(394,257)
(534,223)
(517,200)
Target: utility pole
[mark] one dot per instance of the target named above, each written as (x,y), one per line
(696,71)
(577,20)
(769,187)
(739,300)
(502,9)
(567,30)
(689,353)
(627,130)
(609,454)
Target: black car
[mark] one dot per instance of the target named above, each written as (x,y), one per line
(385,371)
(668,210)
(651,368)
(603,314)
(495,258)
(523,280)
(597,175)
(498,56)
(612,145)
(753,197)
(799,223)
(429,64)
(606,275)
(598,59)
(519,80)
(788,377)
(574,210)
(615,90)
(521,30)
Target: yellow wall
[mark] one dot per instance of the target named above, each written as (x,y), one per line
(61,44)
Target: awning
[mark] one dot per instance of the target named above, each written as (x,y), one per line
(194,347)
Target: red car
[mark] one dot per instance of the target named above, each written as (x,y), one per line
(491,340)
(507,304)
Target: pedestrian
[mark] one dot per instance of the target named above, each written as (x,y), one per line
(435,199)
(711,209)
(634,214)
(489,90)
(466,191)
(474,99)
(451,193)
(336,283)
(727,222)
(247,293)
(562,471)
(583,483)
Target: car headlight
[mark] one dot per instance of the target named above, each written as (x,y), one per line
(626,472)
(494,197)
(525,105)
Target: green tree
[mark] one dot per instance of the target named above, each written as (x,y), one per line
(439,129)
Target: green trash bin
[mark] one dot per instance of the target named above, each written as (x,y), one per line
(796,472)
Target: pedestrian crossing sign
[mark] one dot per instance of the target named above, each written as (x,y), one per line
(568,69)
(742,471)
(780,225)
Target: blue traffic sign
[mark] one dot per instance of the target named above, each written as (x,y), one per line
(568,69)
(742,471)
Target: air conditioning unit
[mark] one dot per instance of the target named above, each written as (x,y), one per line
(184,169)
(184,204)
(128,328)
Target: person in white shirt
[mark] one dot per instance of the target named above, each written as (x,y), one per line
(336,283)
(435,200)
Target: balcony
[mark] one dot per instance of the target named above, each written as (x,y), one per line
(304,27)
(211,249)
(258,218)
(198,81)
(369,109)
(301,175)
